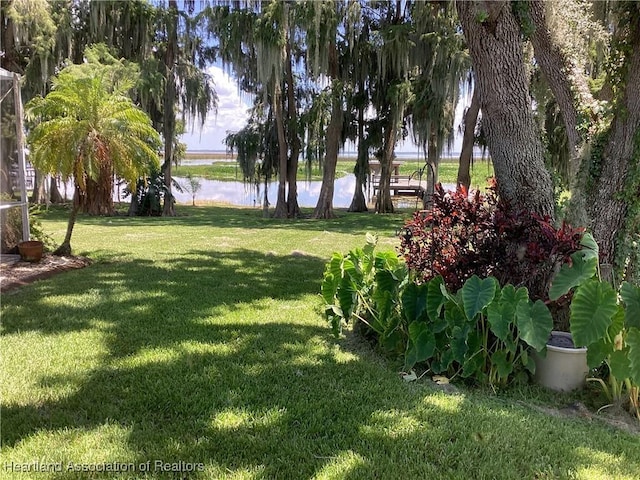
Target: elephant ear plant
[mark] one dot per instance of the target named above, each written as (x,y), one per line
(482,332)
(606,322)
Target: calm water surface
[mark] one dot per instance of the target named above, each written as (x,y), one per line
(238,193)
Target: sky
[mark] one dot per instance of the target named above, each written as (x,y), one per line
(232,116)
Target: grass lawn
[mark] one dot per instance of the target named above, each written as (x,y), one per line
(199,339)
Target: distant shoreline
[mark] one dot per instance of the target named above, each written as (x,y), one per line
(219,155)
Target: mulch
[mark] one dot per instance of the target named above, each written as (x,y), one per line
(17,274)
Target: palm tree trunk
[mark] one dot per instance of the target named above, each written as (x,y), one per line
(65,248)
(466,154)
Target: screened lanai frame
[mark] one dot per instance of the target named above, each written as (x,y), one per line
(23,203)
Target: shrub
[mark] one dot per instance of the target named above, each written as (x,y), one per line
(481,235)
(482,332)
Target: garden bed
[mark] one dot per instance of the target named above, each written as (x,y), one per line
(14,274)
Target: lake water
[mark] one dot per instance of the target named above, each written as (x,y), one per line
(238,193)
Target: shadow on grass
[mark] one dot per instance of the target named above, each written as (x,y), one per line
(143,294)
(239,217)
(191,376)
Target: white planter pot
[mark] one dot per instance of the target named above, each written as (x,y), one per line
(564,368)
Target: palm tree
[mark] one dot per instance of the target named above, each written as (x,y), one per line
(88,132)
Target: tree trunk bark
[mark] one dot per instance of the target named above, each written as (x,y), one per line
(513,138)
(433,162)
(169,118)
(570,89)
(324,207)
(98,198)
(38,194)
(608,209)
(466,154)
(361,170)
(384,204)
(293,209)
(65,248)
(54,193)
(281,210)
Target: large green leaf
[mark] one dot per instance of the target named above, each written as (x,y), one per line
(534,323)
(633,342)
(501,312)
(592,309)
(500,316)
(331,279)
(454,315)
(631,296)
(347,296)
(414,301)
(387,260)
(475,356)
(512,296)
(328,288)
(598,352)
(435,298)
(619,364)
(571,276)
(590,247)
(459,342)
(528,362)
(421,345)
(477,294)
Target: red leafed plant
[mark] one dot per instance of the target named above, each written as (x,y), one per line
(464,234)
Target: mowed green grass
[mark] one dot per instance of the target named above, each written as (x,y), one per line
(200,339)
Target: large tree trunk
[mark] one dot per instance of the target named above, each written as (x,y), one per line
(608,209)
(169,117)
(570,89)
(361,170)
(324,207)
(384,204)
(98,198)
(466,154)
(281,210)
(293,209)
(606,212)
(513,138)
(54,193)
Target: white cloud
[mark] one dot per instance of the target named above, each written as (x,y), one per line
(231,116)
